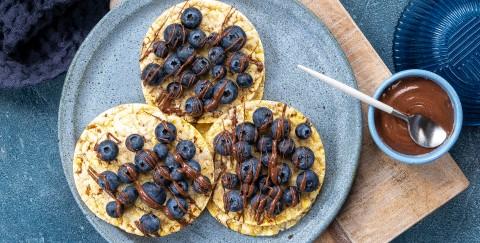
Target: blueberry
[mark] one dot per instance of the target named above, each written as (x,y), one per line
(303,158)
(188,78)
(247,132)
(155,192)
(234,39)
(233,201)
(273,190)
(212,39)
(207,102)
(250,190)
(160,49)
(195,165)
(244,80)
(303,131)
(114,209)
(194,106)
(145,160)
(291,196)
(176,172)
(216,55)
(264,184)
(124,174)
(283,130)
(248,170)
(149,223)
(202,184)
(161,150)
(153,74)
(174,35)
(278,207)
(174,89)
(134,142)
(223,143)
(178,187)
(218,72)
(284,173)
(307,181)
(196,38)
(166,132)
(185,52)
(200,66)
(230,181)
(286,147)
(191,18)
(230,91)
(172,64)
(262,118)
(242,150)
(204,87)
(170,162)
(264,159)
(107,150)
(264,144)
(108,181)
(186,149)
(128,196)
(177,207)
(255,201)
(238,62)
(158,178)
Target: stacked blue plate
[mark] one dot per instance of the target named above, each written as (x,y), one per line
(443,36)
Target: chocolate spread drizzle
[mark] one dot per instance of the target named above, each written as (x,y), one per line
(303,183)
(216,98)
(295,197)
(95,176)
(204,185)
(151,158)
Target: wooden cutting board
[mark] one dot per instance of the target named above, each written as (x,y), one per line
(387,197)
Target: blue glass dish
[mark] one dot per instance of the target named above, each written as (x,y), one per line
(443,36)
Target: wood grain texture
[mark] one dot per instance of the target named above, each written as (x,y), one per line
(387,197)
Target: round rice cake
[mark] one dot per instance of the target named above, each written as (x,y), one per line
(217,16)
(246,223)
(121,121)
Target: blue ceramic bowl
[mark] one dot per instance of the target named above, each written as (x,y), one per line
(439,151)
(442,36)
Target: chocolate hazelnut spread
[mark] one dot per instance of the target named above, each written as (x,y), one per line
(412,96)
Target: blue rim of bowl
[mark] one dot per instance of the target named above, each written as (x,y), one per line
(436,153)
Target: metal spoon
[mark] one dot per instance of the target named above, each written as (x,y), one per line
(422,130)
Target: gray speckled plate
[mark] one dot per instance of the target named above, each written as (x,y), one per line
(105,73)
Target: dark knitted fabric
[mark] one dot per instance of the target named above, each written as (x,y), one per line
(38,38)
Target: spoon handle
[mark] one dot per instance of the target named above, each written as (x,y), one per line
(349,90)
